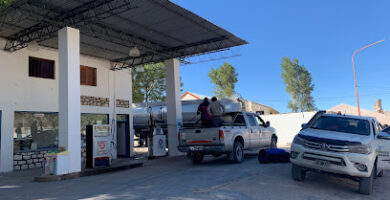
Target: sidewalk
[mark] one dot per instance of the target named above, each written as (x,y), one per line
(13,179)
(18,177)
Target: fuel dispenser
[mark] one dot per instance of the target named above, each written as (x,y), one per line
(157,145)
(98,146)
(156,137)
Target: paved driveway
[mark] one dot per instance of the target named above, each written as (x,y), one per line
(178,179)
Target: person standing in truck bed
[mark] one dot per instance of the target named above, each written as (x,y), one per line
(216,110)
(205,116)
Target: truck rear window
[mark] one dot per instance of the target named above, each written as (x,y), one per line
(343,124)
(233,119)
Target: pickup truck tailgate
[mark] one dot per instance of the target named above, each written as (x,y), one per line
(199,136)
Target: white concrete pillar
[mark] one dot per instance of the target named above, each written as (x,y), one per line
(69,100)
(174,113)
(131,125)
(7,141)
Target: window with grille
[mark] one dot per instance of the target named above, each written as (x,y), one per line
(88,76)
(41,68)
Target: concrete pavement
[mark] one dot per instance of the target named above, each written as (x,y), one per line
(177,178)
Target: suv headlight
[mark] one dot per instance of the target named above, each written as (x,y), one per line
(299,140)
(361,148)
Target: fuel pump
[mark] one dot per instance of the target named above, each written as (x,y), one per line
(156,136)
(98,146)
(159,141)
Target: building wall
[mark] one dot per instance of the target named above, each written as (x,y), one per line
(34,159)
(23,93)
(287,125)
(251,106)
(352,110)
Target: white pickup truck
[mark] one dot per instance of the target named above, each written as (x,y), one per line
(351,146)
(240,131)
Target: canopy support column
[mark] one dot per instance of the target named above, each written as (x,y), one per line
(69,100)
(7,139)
(174,113)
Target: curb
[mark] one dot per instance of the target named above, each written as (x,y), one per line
(89,172)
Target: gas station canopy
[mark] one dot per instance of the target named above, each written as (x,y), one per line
(155,30)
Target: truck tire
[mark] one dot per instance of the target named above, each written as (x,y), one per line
(298,173)
(197,158)
(366,183)
(274,143)
(238,152)
(381,173)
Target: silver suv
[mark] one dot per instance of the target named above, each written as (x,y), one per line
(352,146)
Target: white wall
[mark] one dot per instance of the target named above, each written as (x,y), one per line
(19,92)
(287,125)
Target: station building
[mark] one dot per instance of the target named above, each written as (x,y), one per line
(67,64)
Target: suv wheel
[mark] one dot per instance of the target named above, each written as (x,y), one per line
(298,173)
(238,152)
(365,184)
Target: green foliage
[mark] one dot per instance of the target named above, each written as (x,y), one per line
(4,3)
(224,79)
(298,84)
(149,85)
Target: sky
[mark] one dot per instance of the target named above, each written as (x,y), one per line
(321,34)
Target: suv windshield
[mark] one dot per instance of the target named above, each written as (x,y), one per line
(343,124)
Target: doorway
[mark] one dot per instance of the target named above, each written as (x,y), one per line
(123,135)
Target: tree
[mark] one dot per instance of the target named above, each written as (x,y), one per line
(4,3)
(149,85)
(298,84)
(224,79)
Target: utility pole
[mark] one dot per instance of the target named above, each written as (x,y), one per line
(354,72)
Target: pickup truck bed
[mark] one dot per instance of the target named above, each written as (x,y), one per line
(203,140)
(232,138)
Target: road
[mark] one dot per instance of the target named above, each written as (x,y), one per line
(178,179)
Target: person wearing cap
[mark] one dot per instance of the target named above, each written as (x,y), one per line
(216,110)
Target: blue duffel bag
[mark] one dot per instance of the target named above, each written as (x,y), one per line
(273,156)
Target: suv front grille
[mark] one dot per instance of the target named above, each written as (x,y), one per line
(333,160)
(326,147)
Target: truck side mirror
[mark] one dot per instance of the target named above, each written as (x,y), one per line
(383,136)
(303,125)
(267,124)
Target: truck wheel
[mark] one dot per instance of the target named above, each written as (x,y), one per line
(298,173)
(381,173)
(274,142)
(365,184)
(197,158)
(238,152)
